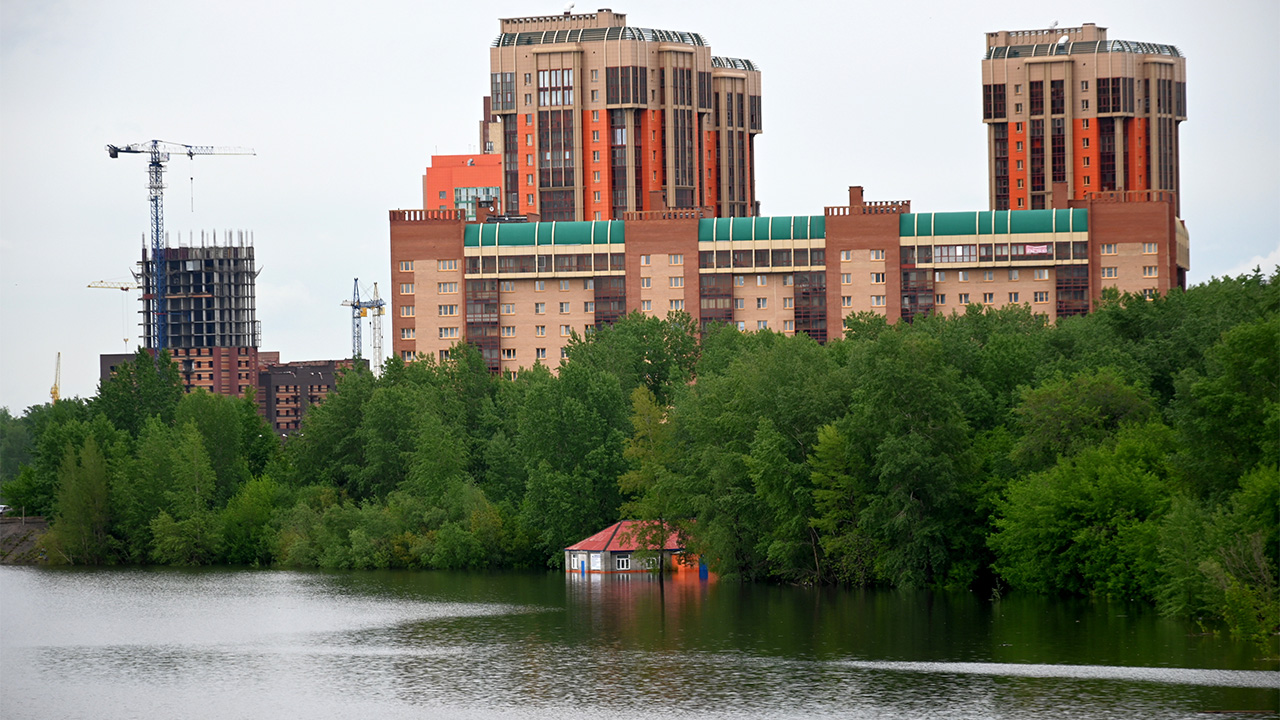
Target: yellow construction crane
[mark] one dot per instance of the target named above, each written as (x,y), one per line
(57,378)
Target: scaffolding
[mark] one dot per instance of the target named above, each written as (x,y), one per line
(208,294)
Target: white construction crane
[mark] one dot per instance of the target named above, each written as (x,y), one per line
(372,308)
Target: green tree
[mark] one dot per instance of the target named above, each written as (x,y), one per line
(220,421)
(188,531)
(1090,524)
(839,477)
(143,388)
(79,530)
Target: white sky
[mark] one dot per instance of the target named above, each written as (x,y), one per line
(345,106)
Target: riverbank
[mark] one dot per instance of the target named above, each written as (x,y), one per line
(18,537)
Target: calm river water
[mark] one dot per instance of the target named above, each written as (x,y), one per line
(247,644)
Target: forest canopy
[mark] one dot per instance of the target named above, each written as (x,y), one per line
(1132,453)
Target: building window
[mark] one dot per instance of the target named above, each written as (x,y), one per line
(564,331)
(1013,297)
(876,301)
(940,276)
(595,114)
(448,310)
(1108,248)
(540,330)
(1084,124)
(407,333)
(595,176)
(762,324)
(564,308)
(1084,142)
(788,303)
(939,299)
(508,353)
(742,326)
(646,282)
(406,266)
(1084,84)
(1042,273)
(1084,104)
(528,200)
(507,286)
(406,288)
(1017,127)
(596,196)
(788,280)
(508,331)
(963,275)
(447,288)
(406,311)
(1017,89)
(963,298)
(675,282)
(448,333)
(539,308)
(540,285)
(564,353)
(1110,272)
(528,139)
(988,298)
(739,280)
(739,303)
(1149,248)
(595,157)
(1086,181)
(1017,108)
(589,306)
(988,275)
(1084,161)
(595,95)
(1013,273)
(588,283)
(443,265)
(1018,146)
(1149,271)
(595,134)
(564,286)
(877,254)
(644,259)
(788,325)
(762,303)
(528,179)
(762,280)
(1041,296)
(847,278)
(677,304)
(646,305)
(407,355)
(508,308)
(540,353)
(676,259)
(846,255)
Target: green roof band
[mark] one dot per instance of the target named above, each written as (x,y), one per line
(782,227)
(592,232)
(993,222)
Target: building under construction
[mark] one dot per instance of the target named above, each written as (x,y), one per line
(210,309)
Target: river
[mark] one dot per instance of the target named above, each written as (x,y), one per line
(221,643)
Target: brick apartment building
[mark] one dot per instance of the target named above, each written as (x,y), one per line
(593,118)
(1067,105)
(520,290)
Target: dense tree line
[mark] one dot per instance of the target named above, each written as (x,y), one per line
(1133,453)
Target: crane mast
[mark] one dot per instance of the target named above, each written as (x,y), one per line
(359,309)
(159,151)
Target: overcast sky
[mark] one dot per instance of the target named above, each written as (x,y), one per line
(346,102)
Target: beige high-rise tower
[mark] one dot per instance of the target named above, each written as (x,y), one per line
(595,118)
(1067,105)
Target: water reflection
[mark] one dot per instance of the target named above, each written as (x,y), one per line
(163,643)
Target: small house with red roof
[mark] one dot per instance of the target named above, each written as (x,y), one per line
(611,550)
